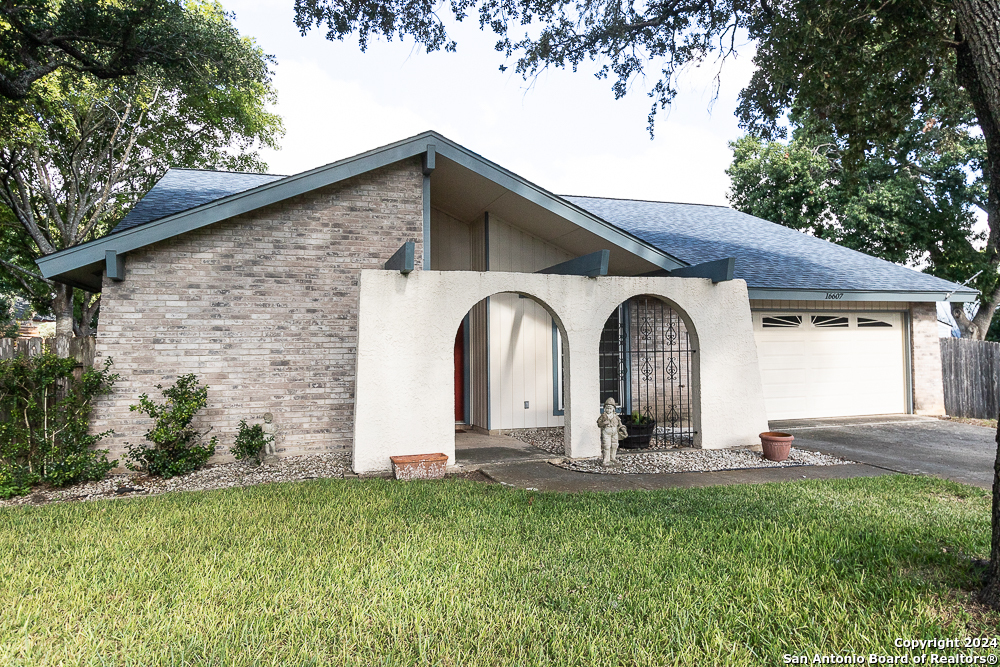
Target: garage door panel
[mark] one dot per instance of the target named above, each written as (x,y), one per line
(823,371)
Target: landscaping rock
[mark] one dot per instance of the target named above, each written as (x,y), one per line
(219,476)
(698,460)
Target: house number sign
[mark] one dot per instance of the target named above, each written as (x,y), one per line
(834,296)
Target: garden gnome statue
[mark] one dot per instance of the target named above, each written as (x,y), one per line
(612,431)
(270,429)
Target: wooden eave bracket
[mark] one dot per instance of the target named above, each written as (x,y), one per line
(114,264)
(402,259)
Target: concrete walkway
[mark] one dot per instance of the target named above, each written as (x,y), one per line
(475,449)
(882,444)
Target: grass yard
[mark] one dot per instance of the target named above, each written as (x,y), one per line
(347,572)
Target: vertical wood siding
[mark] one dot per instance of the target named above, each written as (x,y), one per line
(520,333)
(971,374)
(478,331)
(512,249)
(451,243)
(520,363)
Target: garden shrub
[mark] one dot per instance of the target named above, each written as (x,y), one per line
(176,448)
(45,423)
(250,442)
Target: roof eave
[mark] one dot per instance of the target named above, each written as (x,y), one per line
(834,296)
(87,259)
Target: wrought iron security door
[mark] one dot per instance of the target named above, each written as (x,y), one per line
(645,361)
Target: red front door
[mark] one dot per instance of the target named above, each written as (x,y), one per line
(460,374)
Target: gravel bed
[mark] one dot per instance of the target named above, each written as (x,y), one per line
(699,460)
(551,440)
(217,476)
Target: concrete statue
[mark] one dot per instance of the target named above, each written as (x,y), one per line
(612,431)
(270,429)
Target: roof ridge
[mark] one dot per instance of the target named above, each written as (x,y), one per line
(222,171)
(651,201)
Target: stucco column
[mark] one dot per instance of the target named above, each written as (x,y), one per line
(583,394)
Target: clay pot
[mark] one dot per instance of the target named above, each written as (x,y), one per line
(776,445)
(419,466)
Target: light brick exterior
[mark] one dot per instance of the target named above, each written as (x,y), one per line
(928,386)
(263,308)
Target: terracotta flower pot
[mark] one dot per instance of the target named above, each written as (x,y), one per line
(776,445)
(419,466)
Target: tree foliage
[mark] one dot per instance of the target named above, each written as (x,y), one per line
(83,150)
(109,40)
(911,201)
(863,71)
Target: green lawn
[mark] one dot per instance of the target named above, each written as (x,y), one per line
(348,572)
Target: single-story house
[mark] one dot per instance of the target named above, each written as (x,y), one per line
(380,302)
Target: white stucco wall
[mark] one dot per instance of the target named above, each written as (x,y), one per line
(406,331)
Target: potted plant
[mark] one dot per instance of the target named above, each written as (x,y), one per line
(776,446)
(640,430)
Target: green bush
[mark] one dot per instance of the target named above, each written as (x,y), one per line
(176,448)
(636,419)
(8,324)
(250,442)
(45,423)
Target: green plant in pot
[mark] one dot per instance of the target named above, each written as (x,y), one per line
(640,430)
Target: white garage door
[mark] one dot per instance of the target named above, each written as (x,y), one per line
(831,364)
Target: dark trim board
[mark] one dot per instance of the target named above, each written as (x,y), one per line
(557,381)
(834,296)
(402,260)
(592,265)
(467,366)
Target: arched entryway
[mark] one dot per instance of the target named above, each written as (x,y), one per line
(509,389)
(647,364)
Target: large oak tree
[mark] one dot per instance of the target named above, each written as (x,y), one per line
(79,150)
(108,40)
(862,67)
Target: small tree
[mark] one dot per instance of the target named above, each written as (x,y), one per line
(177,446)
(45,423)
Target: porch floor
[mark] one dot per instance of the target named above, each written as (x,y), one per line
(476,449)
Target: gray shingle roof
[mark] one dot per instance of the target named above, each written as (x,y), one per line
(181,189)
(768,255)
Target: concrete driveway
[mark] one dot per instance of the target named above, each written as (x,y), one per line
(902,443)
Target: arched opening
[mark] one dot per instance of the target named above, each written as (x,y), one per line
(509,389)
(647,364)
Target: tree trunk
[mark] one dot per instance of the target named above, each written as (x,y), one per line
(991,593)
(62,306)
(978,70)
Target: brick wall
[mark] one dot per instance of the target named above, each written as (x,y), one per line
(928,389)
(263,307)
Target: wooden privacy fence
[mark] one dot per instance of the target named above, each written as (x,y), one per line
(971,373)
(81,349)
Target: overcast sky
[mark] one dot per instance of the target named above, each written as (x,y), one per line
(565,131)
